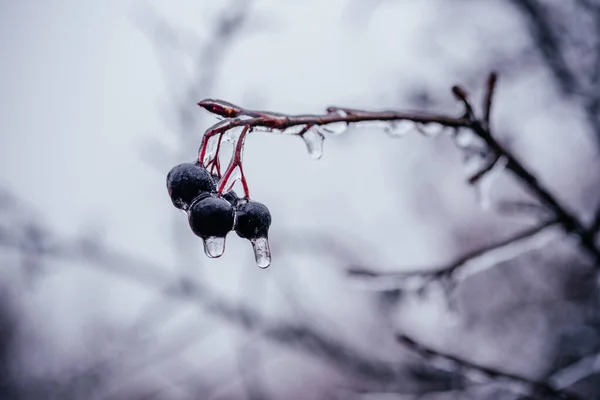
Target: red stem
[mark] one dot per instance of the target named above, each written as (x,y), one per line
(236,162)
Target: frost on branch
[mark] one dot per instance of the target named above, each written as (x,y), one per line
(484,157)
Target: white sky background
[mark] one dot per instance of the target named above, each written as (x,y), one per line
(82,96)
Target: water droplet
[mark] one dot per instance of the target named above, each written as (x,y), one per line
(313,138)
(214,246)
(398,129)
(431,129)
(336,128)
(262,251)
(463,138)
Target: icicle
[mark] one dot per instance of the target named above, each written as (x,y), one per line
(262,251)
(313,138)
(397,129)
(214,246)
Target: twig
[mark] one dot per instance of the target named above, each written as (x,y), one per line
(465,266)
(489,96)
(470,368)
(566,218)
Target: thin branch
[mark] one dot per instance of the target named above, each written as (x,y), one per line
(477,372)
(236,116)
(489,97)
(467,265)
(567,219)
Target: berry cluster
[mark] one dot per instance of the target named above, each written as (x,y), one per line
(212,215)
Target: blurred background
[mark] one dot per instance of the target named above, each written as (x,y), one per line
(106,294)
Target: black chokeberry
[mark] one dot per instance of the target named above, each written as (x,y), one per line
(187,181)
(211,216)
(253,220)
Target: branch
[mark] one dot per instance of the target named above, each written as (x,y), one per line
(479,372)
(467,265)
(292,335)
(236,116)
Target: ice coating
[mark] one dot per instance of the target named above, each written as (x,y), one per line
(211,149)
(464,138)
(235,175)
(484,184)
(398,129)
(294,130)
(431,129)
(214,246)
(336,128)
(313,138)
(262,251)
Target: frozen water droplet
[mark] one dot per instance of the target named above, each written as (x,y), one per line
(431,129)
(463,138)
(336,128)
(214,246)
(313,138)
(262,251)
(398,128)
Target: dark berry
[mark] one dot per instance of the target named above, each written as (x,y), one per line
(231,197)
(211,216)
(187,181)
(253,220)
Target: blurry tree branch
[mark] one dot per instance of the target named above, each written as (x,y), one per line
(292,335)
(465,266)
(479,373)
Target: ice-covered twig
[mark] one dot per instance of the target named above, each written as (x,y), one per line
(464,267)
(301,125)
(479,373)
(565,217)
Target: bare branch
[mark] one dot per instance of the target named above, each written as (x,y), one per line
(489,97)
(478,372)
(464,267)
(290,334)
